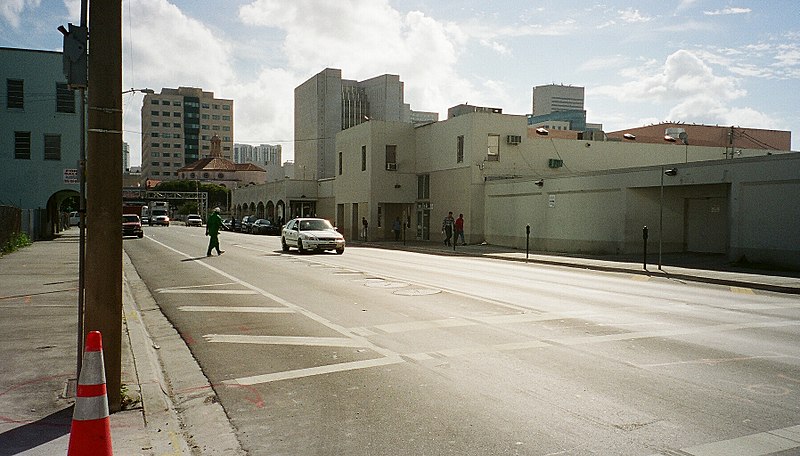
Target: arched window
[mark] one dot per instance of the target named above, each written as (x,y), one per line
(205,175)
(220,176)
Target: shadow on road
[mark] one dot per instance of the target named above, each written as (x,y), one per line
(36,433)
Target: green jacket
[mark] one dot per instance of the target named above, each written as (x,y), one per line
(213,224)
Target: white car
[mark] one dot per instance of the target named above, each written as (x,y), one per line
(194,220)
(308,234)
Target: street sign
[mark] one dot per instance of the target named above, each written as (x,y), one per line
(70,175)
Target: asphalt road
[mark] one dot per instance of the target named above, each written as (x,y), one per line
(384,352)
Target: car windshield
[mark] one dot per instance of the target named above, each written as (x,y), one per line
(130,218)
(315,225)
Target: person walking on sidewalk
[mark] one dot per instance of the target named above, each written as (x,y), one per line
(364,228)
(447,227)
(460,230)
(212,229)
(396,227)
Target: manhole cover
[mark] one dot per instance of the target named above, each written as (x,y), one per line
(417,291)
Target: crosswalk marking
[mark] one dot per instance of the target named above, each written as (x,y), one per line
(283,340)
(308,372)
(239,309)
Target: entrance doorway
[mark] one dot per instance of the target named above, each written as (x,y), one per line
(707,225)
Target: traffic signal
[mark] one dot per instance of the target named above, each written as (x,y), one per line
(75,56)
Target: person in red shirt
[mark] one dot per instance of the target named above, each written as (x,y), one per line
(460,229)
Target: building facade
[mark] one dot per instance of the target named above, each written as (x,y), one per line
(177,127)
(551,98)
(39,137)
(326,104)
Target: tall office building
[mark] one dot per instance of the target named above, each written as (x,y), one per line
(327,104)
(126,157)
(177,127)
(264,154)
(551,98)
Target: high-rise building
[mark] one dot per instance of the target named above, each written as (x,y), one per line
(126,157)
(551,98)
(177,127)
(327,104)
(264,154)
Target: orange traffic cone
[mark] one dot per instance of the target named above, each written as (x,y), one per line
(91,427)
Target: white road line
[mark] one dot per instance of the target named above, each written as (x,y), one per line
(231,292)
(241,309)
(208,285)
(301,373)
(422,325)
(283,340)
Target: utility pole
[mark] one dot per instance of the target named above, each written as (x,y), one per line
(104,185)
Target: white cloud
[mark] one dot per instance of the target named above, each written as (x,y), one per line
(10,10)
(73,9)
(633,16)
(727,11)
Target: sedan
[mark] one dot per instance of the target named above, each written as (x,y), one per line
(308,234)
(132,225)
(264,226)
(160,220)
(194,220)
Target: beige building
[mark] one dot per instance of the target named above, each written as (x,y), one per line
(177,127)
(217,169)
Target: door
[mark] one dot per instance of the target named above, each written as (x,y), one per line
(707,225)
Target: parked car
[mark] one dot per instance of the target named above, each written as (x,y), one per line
(264,226)
(307,234)
(194,220)
(227,224)
(247,222)
(74,218)
(132,225)
(159,220)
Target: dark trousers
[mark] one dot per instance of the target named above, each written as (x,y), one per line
(213,243)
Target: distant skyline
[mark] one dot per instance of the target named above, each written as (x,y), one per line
(705,62)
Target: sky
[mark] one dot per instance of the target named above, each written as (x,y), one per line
(714,62)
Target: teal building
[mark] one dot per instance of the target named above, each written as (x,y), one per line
(39,139)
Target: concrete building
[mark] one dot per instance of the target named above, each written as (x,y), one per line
(177,127)
(581,192)
(39,137)
(551,98)
(326,104)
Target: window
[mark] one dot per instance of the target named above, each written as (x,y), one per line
(52,147)
(65,98)
(155,102)
(215,117)
(176,125)
(165,102)
(153,124)
(154,134)
(226,107)
(165,113)
(15,94)
(226,117)
(363,158)
(391,157)
(460,149)
(206,106)
(166,135)
(154,154)
(166,164)
(215,127)
(226,128)
(216,106)
(22,145)
(340,163)
(423,186)
(174,114)
(163,124)
(493,148)
(154,163)
(165,145)
(153,144)
(204,116)
(154,113)
(206,147)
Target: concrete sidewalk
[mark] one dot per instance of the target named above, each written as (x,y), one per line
(171,410)
(174,409)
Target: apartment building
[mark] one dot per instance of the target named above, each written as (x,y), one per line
(177,127)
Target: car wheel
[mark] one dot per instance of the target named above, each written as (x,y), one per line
(340,251)
(284,245)
(300,247)
(141,235)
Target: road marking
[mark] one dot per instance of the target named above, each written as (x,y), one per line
(185,291)
(742,290)
(284,340)
(760,444)
(422,325)
(301,373)
(639,277)
(241,309)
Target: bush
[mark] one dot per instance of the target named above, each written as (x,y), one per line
(17,241)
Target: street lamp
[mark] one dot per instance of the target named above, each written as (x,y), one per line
(664,172)
(146,91)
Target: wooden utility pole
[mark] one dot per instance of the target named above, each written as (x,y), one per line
(103,310)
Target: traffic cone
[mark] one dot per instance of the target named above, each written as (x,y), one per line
(91,426)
